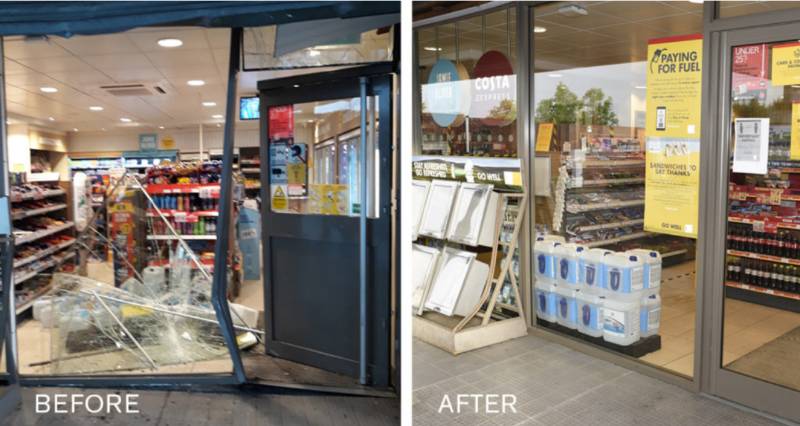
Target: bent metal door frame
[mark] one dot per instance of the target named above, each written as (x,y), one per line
(717,380)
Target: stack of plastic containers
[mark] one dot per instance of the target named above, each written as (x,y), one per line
(544,252)
(599,292)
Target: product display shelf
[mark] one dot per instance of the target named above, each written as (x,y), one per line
(763,296)
(170,212)
(185,237)
(250,166)
(36,196)
(765,257)
(183,188)
(601,243)
(594,195)
(44,233)
(482,326)
(24,306)
(42,254)
(53,261)
(36,212)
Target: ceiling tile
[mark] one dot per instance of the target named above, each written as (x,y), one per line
(129,61)
(106,44)
(33,48)
(60,64)
(147,41)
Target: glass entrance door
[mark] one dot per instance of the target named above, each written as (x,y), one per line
(757,304)
(321,145)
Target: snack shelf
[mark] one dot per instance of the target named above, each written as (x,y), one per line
(600,243)
(609,182)
(609,163)
(769,291)
(44,253)
(45,265)
(186,188)
(611,225)
(764,257)
(170,212)
(750,221)
(36,195)
(603,206)
(772,196)
(36,212)
(185,237)
(44,232)
(27,304)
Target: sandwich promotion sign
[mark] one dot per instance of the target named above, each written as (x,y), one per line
(673,135)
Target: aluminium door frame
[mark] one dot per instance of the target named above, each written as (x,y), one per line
(721,37)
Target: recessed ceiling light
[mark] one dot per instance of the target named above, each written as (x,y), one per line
(96,108)
(48,89)
(538,29)
(51,118)
(296,86)
(216,116)
(640,87)
(74,129)
(170,42)
(195,82)
(554,75)
(432,49)
(209,104)
(161,127)
(125,120)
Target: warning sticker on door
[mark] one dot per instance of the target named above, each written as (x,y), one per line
(279,200)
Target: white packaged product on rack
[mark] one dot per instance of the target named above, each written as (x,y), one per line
(624,273)
(621,319)
(545,253)
(590,313)
(566,306)
(650,313)
(652,267)
(592,272)
(545,299)
(567,263)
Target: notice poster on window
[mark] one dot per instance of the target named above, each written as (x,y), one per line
(750,145)
(794,147)
(786,64)
(672,148)
(749,80)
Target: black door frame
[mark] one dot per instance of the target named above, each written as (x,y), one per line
(375,344)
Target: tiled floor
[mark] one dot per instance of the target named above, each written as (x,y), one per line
(747,326)
(556,386)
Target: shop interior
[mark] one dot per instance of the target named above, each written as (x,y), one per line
(589,82)
(115,149)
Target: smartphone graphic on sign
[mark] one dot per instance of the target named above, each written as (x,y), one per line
(661,118)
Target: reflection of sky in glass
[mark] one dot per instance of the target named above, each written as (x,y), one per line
(618,81)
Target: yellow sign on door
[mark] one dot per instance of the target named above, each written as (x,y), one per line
(786,64)
(544,136)
(794,147)
(672,153)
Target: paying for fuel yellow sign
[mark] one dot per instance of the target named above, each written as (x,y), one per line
(673,135)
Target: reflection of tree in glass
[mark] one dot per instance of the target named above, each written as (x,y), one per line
(562,108)
(597,109)
(506,110)
(778,112)
(566,108)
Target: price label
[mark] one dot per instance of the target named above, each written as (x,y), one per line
(769,291)
(758,225)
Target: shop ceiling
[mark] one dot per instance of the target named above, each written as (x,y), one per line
(80,67)
(608,33)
